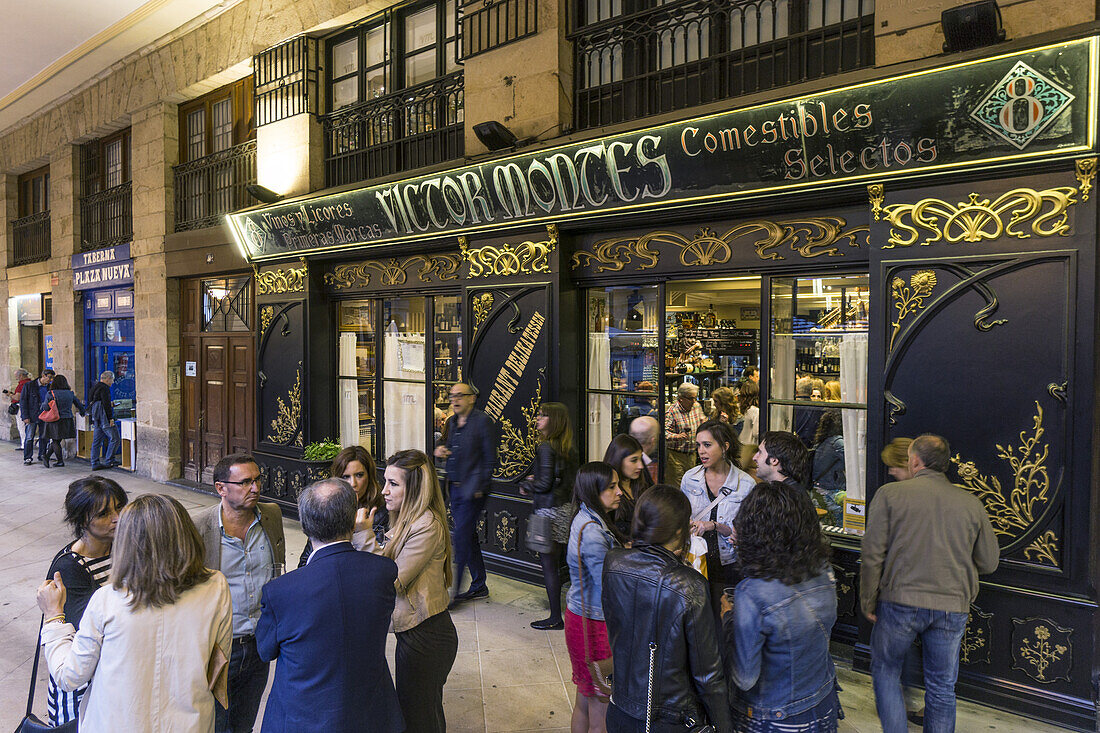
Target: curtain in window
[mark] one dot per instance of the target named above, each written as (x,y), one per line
(853,388)
(349,392)
(600,413)
(403,401)
(781,417)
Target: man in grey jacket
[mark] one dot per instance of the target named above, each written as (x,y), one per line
(244,540)
(927,541)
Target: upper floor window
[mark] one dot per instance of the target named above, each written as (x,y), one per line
(105,163)
(105,202)
(392,51)
(34,192)
(216,121)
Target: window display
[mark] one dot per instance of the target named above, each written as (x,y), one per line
(358,348)
(819,381)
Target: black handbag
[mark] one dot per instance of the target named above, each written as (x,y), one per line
(31,723)
(539,533)
(13,408)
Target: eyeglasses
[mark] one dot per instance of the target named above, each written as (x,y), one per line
(456,395)
(246,482)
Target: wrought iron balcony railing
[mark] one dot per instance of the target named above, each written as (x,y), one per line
(409,129)
(210,187)
(106,218)
(31,238)
(690,52)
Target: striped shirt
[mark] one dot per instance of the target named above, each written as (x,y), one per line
(65,706)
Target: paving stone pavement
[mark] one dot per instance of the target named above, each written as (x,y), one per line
(507,677)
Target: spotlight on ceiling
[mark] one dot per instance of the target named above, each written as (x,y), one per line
(973,25)
(263,194)
(495,136)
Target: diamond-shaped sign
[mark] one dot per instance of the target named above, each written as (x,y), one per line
(1021,105)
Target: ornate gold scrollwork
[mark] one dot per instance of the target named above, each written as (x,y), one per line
(1044,650)
(909,298)
(1044,548)
(811,237)
(897,407)
(876,192)
(286,426)
(980,219)
(506,531)
(975,646)
(1085,170)
(1058,391)
(394,271)
(518,442)
(267,313)
(525,258)
(483,305)
(290,280)
(1013,511)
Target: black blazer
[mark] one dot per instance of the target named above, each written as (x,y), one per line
(553,481)
(326,624)
(30,401)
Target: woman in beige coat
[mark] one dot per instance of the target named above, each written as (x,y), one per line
(420,543)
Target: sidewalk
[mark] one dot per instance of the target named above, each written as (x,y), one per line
(506,677)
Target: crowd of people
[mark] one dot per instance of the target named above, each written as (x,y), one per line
(43,408)
(710,602)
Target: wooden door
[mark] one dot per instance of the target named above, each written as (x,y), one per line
(213,373)
(240,396)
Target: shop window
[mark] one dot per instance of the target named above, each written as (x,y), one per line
(410,370)
(111,348)
(818,386)
(227,304)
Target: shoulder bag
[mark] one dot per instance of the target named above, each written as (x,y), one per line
(599,670)
(31,723)
(50,414)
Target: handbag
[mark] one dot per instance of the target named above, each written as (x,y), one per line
(50,414)
(31,723)
(561,521)
(13,408)
(600,670)
(538,537)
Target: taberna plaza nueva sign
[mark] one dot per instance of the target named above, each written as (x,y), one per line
(1023,105)
(103,268)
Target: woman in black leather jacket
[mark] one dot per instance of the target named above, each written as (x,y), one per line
(657,614)
(549,487)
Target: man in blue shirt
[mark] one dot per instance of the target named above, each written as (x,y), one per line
(471,454)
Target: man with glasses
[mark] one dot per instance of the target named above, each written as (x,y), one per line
(244,540)
(471,454)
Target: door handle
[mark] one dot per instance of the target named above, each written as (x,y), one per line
(202,418)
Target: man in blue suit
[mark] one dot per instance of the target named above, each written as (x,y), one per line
(326,624)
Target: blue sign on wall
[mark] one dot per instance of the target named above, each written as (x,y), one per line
(48,363)
(102,268)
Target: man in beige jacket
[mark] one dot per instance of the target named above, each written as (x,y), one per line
(927,541)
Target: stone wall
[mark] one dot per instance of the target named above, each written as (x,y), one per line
(906,30)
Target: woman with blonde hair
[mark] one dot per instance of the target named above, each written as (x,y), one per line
(725,405)
(420,543)
(549,487)
(832,391)
(162,607)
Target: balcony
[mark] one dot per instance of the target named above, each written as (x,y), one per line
(106,218)
(210,187)
(690,52)
(409,129)
(31,238)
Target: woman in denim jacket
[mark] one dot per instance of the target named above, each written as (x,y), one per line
(591,535)
(777,628)
(718,477)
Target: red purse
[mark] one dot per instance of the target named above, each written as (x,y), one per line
(50,414)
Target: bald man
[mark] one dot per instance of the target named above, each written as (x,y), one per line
(645,429)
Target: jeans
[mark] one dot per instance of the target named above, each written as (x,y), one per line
(422,660)
(33,429)
(247,680)
(941,634)
(467,546)
(102,428)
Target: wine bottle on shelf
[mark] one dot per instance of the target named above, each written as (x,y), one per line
(711,318)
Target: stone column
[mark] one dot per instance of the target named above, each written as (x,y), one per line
(68,307)
(155,149)
(9,327)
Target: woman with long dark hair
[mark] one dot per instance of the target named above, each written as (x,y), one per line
(624,454)
(660,626)
(549,487)
(591,535)
(64,428)
(92,505)
(716,488)
(355,465)
(777,629)
(828,475)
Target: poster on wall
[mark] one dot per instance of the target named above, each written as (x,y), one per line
(47,363)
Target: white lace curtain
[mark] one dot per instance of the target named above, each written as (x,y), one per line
(853,388)
(781,417)
(349,392)
(403,401)
(600,418)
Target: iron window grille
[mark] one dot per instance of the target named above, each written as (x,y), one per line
(214,185)
(31,238)
(227,304)
(635,58)
(488,24)
(106,216)
(286,78)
